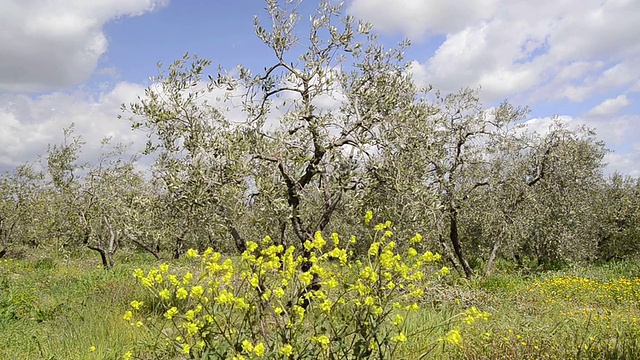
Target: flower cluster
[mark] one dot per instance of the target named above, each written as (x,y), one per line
(319,301)
(618,291)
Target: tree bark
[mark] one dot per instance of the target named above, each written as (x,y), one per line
(177,250)
(112,242)
(241,244)
(3,239)
(144,246)
(457,248)
(492,258)
(283,229)
(450,256)
(103,256)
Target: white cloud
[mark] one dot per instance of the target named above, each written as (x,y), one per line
(624,163)
(50,44)
(617,132)
(609,106)
(30,124)
(417,18)
(618,76)
(543,125)
(539,50)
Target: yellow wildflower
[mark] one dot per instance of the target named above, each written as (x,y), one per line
(171,313)
(136,304)
(197,291)
(191,253)
(259,349)
(374,248)
(138,273)
(326,306)
(368,216)
(286,350)
(247,346)
(181,293)
(187,278)
(453,337)
(444,271)
(368,301)
(305,278)
(318,240)
(165,294)
(399,338)
(412,252)
(322,340)
(278,292)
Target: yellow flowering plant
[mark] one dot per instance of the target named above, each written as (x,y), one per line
(277,303)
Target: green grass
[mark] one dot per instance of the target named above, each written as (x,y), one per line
(56,308)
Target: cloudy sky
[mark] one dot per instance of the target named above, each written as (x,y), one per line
(64,61)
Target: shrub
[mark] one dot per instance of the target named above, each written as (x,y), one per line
(279,304)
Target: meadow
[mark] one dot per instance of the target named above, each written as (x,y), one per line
(55,306)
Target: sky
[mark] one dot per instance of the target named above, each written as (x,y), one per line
(77,61)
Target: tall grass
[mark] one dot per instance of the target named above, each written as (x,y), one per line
(51,308)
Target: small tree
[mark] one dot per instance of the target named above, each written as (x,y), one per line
(455,148)
(108,192)
(291,161)
(617,208)
(20,197)
(556,219)
(64,174)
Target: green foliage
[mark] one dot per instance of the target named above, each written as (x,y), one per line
(617,211)
(199,174)
(332,127)
(22,209)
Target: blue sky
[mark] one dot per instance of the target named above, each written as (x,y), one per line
(75,61)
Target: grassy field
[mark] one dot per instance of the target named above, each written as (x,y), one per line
(55,307)
(52,308)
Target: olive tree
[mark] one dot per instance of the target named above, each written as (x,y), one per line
(495,187)
(199,165)
(20,206)
(64,173)
(309,122)
(316,152)
(455,148)
(90,203)
(551,208)
(617,209)
(107,194)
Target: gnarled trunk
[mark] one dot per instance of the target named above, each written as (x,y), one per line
(455,241)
